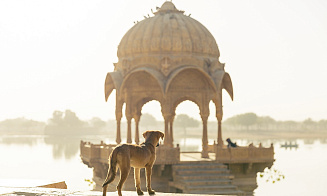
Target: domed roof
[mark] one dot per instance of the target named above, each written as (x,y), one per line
(169,31)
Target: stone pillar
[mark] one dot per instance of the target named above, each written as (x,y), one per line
(119,115)
(129,116)
(168,129)
(167,136)
(118,135)
(171,133)
(137,134)
(129,129)
(167,115)
(220,137)
(205,153)
(219,115)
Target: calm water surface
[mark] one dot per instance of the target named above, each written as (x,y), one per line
(305,170)
(57,159)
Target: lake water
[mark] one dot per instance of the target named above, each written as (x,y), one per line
(34,158)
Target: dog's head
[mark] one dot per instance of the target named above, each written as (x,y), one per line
(153,137)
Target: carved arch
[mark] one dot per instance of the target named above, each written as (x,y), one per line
(184,98)
(227,85)
(159,78)
(141,102)
(176,72)
(113,81)
(223,80)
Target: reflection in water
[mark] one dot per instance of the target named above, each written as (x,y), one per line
(188,144)
(62,147)
(309,141)
(323,140)
(66,147)
(29,158)
(304,169)
(20,140)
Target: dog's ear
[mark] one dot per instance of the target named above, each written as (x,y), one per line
(145,133)
(162,135)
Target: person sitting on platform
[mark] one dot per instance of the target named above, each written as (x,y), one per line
(231,144)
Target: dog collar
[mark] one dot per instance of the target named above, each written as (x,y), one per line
(150,144)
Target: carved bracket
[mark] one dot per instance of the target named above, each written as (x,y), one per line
(165,65)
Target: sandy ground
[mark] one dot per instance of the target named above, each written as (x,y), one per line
(10,191)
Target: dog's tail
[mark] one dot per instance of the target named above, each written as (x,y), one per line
(112,168)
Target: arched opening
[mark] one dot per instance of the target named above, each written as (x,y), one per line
(148,117)
(187,126)
(151,118)
(138,87)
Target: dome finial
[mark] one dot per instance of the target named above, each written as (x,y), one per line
(168,6)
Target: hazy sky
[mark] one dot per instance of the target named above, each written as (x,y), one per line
(54,55)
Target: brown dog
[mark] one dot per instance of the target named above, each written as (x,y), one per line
(126,156)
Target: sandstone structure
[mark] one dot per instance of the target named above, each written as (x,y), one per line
(169,57)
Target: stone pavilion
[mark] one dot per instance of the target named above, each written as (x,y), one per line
(168,57)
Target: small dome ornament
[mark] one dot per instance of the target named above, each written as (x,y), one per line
(166,7)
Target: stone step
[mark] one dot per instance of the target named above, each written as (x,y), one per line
(199,189)
(199,165)
(202,171)
(205,182)
(220,192)
(211,188)
(203,177)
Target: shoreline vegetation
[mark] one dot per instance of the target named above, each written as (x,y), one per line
(243,126)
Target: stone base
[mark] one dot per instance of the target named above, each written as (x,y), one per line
(49,191)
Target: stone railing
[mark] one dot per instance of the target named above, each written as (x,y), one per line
(95,152)
(166,155)
(99,153)
(248,154)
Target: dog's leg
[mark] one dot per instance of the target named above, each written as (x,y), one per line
(148,170)
(104,190)
(110,177)
(124,171)
(138,181)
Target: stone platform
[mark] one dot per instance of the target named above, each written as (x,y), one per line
(10,191)
(13,187)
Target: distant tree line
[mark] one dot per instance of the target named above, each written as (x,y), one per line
(67,122)
(250,121)
(246,121)
(21,126)
(60,123)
